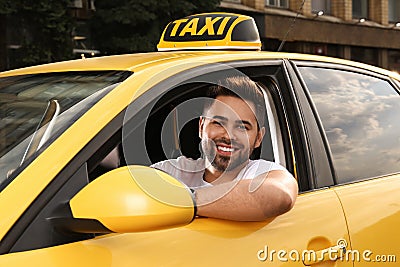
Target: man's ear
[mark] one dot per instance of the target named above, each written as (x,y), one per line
(260,136)
(201,125)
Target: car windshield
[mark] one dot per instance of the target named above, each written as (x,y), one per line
(35,109)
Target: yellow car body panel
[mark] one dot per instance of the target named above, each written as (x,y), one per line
(371,235)
(221,240)
(137,62)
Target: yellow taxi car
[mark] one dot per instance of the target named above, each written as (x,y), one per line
(73,134)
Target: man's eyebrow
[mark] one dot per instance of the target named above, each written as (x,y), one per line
(244,122)
(222,118)
(219,117)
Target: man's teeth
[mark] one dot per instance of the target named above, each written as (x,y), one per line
(225,149)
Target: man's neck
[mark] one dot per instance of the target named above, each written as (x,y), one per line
(214,176)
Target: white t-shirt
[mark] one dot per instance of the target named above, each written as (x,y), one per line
(191,171)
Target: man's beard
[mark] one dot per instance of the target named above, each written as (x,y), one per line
(223,163)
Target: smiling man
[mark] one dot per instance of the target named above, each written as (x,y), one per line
(227,184)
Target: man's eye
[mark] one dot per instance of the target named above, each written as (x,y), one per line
(242,127)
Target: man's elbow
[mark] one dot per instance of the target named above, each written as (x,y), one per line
(287,202)
(284,202)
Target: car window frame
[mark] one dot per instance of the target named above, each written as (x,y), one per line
(275,129)
(315,163)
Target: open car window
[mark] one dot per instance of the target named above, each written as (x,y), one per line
(169,127)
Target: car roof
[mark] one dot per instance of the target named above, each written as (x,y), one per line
(139,61)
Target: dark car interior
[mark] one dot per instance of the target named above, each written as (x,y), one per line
(164,129)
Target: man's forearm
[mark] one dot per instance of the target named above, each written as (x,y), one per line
(237,201)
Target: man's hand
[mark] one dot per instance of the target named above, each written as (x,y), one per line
(257,199)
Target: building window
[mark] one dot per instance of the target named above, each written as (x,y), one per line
(360,9)
(277,3)
(365,55)
(234,1)
(394,11)
(76,4)
(321,5)
(394,60)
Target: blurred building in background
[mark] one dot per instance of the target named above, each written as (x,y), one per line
(81,11)
(13,31)
(362,30)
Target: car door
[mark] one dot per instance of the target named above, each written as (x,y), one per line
(359,111)
(296,238)
(316,222)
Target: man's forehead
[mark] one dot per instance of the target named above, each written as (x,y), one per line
(231,107)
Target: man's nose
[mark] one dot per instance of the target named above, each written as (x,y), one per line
(229,132)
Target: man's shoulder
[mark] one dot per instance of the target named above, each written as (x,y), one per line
(187,170)
(181,163)
(265,165)
(258,167)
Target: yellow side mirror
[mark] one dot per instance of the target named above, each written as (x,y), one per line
(132,199)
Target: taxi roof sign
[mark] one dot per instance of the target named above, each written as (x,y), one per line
(211,31)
